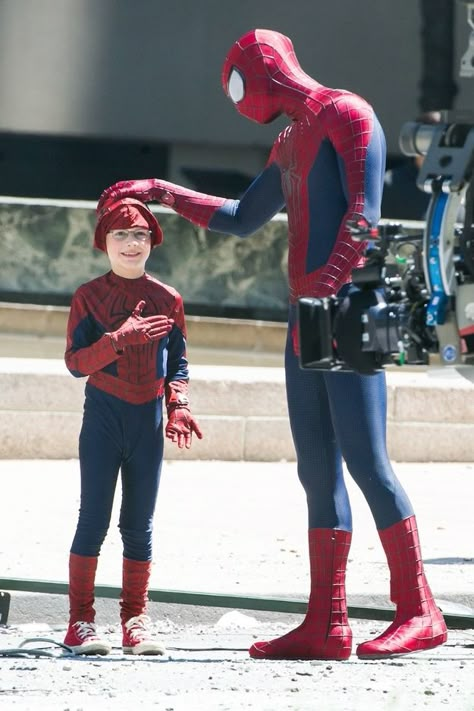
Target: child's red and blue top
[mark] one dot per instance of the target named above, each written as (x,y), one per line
(138,374)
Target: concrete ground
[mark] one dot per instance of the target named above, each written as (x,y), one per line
(237,528)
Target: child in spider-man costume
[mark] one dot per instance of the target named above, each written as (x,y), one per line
(326,167)
(127,332)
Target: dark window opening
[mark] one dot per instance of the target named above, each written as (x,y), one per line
(74,168)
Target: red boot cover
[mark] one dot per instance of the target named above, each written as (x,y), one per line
(418,623)
(135,582)
(325,631)
(82,570)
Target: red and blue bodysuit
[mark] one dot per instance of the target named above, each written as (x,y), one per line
(327,167)
(122,424)
(126,332)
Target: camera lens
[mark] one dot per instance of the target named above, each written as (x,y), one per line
(415,138)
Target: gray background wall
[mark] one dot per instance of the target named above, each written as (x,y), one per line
(151,69)
(94,91)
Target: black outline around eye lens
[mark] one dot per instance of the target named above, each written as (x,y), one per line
(235,69)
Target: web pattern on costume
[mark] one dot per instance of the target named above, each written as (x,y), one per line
(141,372)
(336,135)
(327,167)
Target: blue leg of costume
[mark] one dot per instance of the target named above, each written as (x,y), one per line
(327,409)
(116,436)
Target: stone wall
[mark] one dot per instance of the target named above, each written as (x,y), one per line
(242,412)
(47,250)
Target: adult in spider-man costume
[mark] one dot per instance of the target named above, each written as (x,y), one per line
(126,332)
(326,167)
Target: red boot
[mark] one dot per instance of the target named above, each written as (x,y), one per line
(325,631)
(133,604)
(418,622)
(81,635)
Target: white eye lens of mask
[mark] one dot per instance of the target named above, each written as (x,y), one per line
(236,86)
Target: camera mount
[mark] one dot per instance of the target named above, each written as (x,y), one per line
(417,308)
(407,310)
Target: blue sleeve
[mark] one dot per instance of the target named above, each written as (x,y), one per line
(262,199)
(374,173)
(177,363)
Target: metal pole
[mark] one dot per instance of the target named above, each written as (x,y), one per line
(241,602)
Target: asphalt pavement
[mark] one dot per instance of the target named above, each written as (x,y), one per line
(239,529)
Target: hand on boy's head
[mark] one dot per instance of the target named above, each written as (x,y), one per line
(139,189)
(145,190)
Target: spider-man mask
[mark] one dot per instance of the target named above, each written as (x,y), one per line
(256,73)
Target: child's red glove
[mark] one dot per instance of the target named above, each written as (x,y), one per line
(181,424)
(138,330)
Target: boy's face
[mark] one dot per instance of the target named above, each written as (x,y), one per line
(128,250)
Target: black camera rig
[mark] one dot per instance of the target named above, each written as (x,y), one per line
(413,300)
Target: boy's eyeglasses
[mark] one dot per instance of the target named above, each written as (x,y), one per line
(122,235)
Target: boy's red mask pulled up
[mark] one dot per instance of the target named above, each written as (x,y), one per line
(126,214)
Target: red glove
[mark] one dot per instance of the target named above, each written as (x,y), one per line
(181,424)
(180,427)
(196,207)
(145,190)
(138,330)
